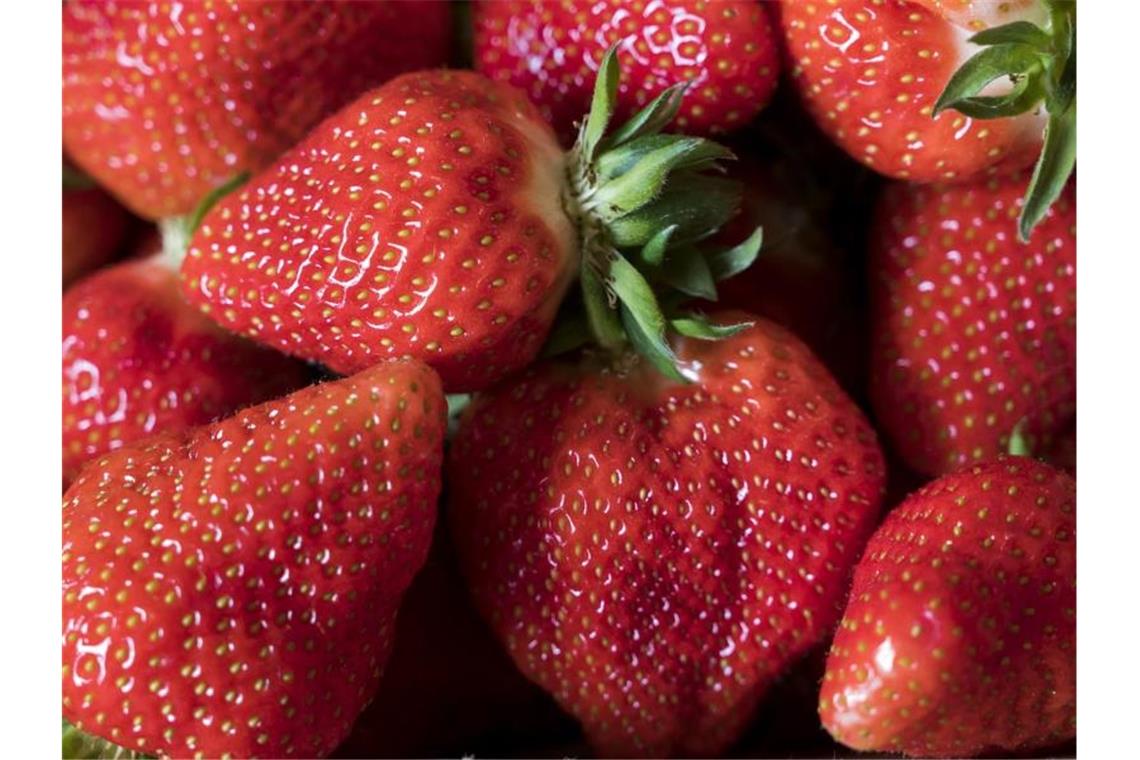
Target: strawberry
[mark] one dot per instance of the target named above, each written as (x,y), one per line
(162,102)
(232,590)
(960,634)
(879,75)
(437,217)
(725,51)
(655,553)
(974,330)
(138,360)
(94,227)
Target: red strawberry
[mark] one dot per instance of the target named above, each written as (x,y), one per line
(877,76)
(138,360)
(726,51)
(162,102)
(437,217)
(974,330)
(960,634)
(94,227)
(655,553)
(232,590)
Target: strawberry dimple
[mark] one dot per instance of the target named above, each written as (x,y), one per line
(959,636)
(233,591)
(655,554)
(975,332)
(162,102)
(726,51)
(871,72)
(415,222)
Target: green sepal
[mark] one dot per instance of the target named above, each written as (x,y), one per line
(601,106)
(729,262)
(571,331)
(643,180)
(653,252)
(1015,33)
(1020,61)
(176,231)
(684,152)
(687,270)
(211,199)
(73,179)
(1052,171)
(640,313)
(697,205)
(649,120)
(79,745)
(698,326)
(605,325)
(1025,93)
(652,347)
(1019,442)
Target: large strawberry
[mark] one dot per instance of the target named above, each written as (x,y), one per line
(232,590)
(726,52)
(162,102)
(960,634)
(437,217)
(655,553)
(138,360)
(899,84)
(94,226)
(974,331)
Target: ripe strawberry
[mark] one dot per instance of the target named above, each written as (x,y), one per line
(94,228)
(877,77)
(960,634)
(974,330)
(162,102)
(138,360)
(655,553)
(232,590)
(725,51)
(437,217)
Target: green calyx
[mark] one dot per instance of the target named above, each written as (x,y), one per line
(78,745)
(1041,63)
(642,201)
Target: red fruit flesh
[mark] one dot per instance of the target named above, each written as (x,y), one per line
(974,331)
(654,554)
(870,73)
(94,227)
(232,590)
(138,360)
(726,51)
(960,634)
(424,219)
(163,102)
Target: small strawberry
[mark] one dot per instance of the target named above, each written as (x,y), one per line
(655,553)
(232,590)
(139,360)
(960,634)
(725,51)
(437,217)
(94,227)
(162,102)
(974,331)
(880,76)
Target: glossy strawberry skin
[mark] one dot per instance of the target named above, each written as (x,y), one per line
(653,554)
(94,228)
(973,330)
(424,219)
(162,102)
(138,360)
(232,590)
(551,51)
(960,634)
(871,72)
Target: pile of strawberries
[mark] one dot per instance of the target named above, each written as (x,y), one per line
(630,378)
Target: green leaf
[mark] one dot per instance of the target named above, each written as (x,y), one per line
(602,105)
(651,119)
(990,64)
(1017,33)
(698,205)
(642,182)
(642,317)
(700,154)
(605,325)
(687,270)
(1052,171)
(732,261)
(571,330)
(653,253)
(698,326)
